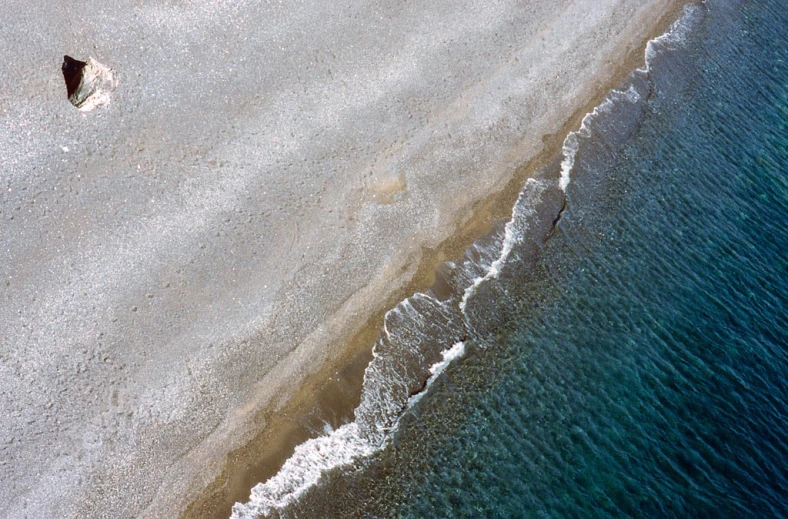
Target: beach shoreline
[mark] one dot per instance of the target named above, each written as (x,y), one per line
(195,272)
(336,387)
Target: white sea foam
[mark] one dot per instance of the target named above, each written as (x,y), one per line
(676,37)
(384,398)
(673,39)
(304,468)
(572,141)
(516,229)
(450,355)
(313,458)
(455,352)
(572,144)
(389,378)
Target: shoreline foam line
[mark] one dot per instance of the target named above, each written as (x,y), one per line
(673,39)
(356,440)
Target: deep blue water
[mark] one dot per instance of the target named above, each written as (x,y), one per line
(633,362)
(650,377)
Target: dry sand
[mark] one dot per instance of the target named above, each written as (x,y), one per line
(266,177)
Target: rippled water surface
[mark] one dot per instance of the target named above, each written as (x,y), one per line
(633,361)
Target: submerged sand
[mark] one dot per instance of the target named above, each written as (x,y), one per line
(267,177)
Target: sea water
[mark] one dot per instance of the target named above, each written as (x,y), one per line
(619,347)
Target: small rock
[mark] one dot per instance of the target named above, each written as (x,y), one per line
(89,84)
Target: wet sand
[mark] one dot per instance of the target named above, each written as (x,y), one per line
(192,278)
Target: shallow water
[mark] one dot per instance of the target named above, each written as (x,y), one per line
(625,343)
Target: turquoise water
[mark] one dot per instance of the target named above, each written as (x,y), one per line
(629,358)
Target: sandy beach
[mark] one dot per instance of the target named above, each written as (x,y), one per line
(189,268)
